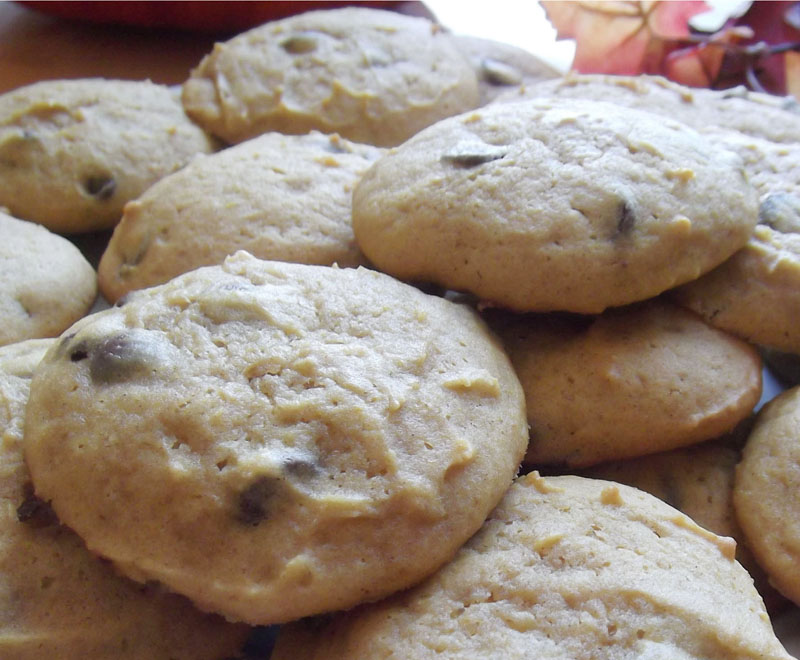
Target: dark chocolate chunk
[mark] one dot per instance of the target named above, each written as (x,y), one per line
(253,501)
(125,356)
(35,511)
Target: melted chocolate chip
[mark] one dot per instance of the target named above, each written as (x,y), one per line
(471,155)
(34,511)
(100,187)
(626,218)
(781,212)
(299,44)
(253,501)
(123,357)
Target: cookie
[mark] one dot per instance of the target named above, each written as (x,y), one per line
(630,382)
(266,437)
(282,197)
(765,492)
(370,75)
(554,205)
(698,481)
(56,599)
(738,109)
(72,152)
(565,567)
(46,284)
(756,293)
(501,67)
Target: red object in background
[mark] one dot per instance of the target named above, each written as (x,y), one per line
(197,16)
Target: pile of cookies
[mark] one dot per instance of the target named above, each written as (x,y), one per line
(408,345)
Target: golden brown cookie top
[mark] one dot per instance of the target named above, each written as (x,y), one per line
(565,567)
(556,204)
(372,76)
(73,152)
(265,437)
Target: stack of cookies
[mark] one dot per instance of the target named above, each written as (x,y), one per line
(408,345)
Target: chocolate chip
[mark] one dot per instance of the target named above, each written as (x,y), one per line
(473,154)
(626,218)
(299,44)
(499,73)
(126,356)
(252,503)
(79,352)
(100,187)
(781,212)
(34,511)
(300,467)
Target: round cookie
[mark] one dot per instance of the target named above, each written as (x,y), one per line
(370,75)
(554,205)
(765,493)
(630,382)
(756,293)
(698,481)
(266,437)
(765,116)
(46,284)
(56,599)
(282,197)
(72,152)
(501,67)
(565,567)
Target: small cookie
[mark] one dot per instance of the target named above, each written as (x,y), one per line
(72,152)
(554,205)
(267,437)
(756,293)
(46,284)
(698,481)
(370,75)
(630,382)
(765,116)
(565,567)
(766,489)
(56,599)
(282,197)
(501,67)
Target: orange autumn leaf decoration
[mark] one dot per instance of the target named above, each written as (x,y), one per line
(757,47)
(624,37)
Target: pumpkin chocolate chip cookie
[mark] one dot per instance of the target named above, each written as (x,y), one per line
(46,284)
(370,75)
(565,567)
(554,205)
(57,600)
(274,440)
(281,197)
(72,152)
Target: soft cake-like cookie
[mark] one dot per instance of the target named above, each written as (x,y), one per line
(46,284)
(282,197)
(756,293)
(501,67)
(766,491)
(554,205)
(698,481)
(630,382)
(565,567)
(72,152)
(372,76)
(765,116)
(59,601)
(275,440)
